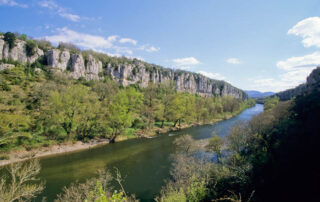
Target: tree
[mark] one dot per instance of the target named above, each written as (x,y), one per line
(10,38)
(150,103)
(31,47)
(118,115)
(19,184)
(72,110)
(215,145)
(270,103)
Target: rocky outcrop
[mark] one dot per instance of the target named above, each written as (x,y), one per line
(1,48)
(58,59)
(139,73)
(125,71)
(18,52)
(312,80)
(6,66)
(74,63)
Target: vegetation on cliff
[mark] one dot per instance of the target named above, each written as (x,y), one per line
(39,107)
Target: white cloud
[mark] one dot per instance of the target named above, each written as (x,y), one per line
(296,70)
(234,61)
(113,38)
(185,61)
(12,3)
(293,63)
(80,39)
(148,48)
(62,12)
(212,75)
(309,30)
(128,40)
(93,42)
(69,16)
(152,49)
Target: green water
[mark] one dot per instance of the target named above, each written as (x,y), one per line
(145,163)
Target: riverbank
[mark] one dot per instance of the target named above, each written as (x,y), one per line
(23,155)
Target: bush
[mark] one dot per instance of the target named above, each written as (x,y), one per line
(73,48)
(31,47)
(10,38)
(43,44)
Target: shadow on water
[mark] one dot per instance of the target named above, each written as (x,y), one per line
(144,163)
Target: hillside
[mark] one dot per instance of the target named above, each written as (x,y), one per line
(94,66)
(258,94)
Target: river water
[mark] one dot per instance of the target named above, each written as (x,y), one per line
(143,163)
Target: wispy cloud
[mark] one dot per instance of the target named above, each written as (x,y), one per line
(62,12)
(128,40)
(309,30)
(234,61)
(212,75)
(80,39)
(12,3)
(296,70)
(185,63)
(295,63)
(148,48)
(107,45)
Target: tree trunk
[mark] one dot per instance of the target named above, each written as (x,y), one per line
(162,124)
(175,123)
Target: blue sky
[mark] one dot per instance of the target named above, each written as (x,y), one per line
(253,44)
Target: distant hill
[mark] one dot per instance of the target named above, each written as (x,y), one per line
(257,94)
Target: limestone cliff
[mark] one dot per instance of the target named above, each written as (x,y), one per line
(18,52)
(126,71)
(312,80)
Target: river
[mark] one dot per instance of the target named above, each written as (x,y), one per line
(144,163)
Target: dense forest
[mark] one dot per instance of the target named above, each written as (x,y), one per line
(41,107)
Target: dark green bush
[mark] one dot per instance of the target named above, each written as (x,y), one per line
(10,38)
(31,47)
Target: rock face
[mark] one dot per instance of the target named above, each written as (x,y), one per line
(125,71)
(312,80)
(77,66)
(18,52)
(6,66)
(58,59)
(138,73)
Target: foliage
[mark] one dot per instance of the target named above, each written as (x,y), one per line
(71,47)
(266,159)
(39,106)
(19,183)
(215,145)
(10,38)
(270,102)
(31,47)
(95,190)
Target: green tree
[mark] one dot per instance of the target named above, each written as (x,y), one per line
(215,145)
(10,38)
(118,116)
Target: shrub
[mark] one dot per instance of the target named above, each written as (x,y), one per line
(73,48)
(31,47)
(43,44)
(10,38)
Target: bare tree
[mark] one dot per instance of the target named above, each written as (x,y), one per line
(19,182)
